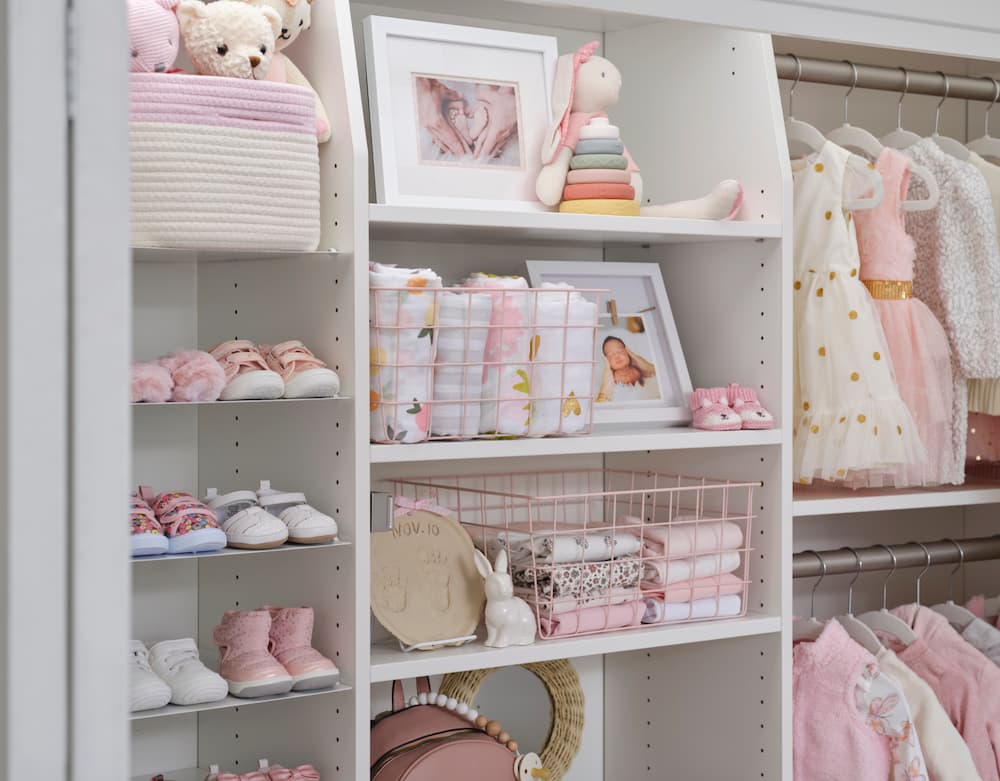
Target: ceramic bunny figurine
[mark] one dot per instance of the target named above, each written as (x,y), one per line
(586,167)
(509,620)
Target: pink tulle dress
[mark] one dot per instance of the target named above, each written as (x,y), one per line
(917,342)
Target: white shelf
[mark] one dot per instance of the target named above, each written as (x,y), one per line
(441,224)
(143,404)
(389,663)
(230,702)
(831,500)
(170,255)
(187,774)
(605,439)
(287,548)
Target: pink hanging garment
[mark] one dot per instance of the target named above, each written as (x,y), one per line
(918,344)
(830,739)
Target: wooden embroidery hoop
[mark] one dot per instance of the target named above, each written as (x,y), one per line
(425,587)
(563,686)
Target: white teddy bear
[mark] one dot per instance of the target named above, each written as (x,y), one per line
(229,37)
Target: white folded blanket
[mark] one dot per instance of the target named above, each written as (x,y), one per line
(402,352)
(663,572)
(562,361)
(684,536)
(506,406)
(463,327)
(658,611)
(563,548)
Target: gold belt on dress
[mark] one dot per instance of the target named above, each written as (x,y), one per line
(890,289)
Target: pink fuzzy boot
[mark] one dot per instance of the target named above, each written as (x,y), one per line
(197,375)
(150,382)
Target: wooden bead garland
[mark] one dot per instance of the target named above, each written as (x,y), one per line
(491,727)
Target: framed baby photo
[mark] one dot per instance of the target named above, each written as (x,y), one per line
(458,114)
(640,375)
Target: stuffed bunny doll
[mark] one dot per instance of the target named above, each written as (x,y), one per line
(586,167)
(153,35)
(509,620)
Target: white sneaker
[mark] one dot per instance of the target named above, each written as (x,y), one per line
(246,525)
(190,681)
(306,525)
(146,689)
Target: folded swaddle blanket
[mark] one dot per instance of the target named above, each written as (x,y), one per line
(402,352)
(663,572)
(562,361)
(541,547)
(593,619)
(578,580)
(657,610)
(462,331)
(684,536)
(559,605)
(700,588)
(506,407)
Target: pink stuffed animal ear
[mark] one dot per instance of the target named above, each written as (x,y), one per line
(170,5)
(567,69)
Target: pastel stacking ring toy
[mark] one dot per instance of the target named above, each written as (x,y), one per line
(599,180)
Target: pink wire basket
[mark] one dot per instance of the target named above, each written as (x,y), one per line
(602,550)
(482,363)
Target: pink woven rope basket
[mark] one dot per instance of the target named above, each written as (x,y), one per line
(223,163)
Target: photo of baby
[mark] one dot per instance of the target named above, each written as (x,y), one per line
(627,372)
(470,123)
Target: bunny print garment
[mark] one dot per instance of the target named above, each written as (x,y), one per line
(883,706)
(848,412)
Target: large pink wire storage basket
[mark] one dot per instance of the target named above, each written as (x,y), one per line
(482,363)
(604,550)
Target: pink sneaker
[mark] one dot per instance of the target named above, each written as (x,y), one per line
(189,525)
(305,375)
(147,538)
(746,405)
(291,644)
(244,660)
(247,373)
(712,411)
(300,773)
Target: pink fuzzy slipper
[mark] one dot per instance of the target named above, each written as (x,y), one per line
(712,411)
(150,382)
(197,375)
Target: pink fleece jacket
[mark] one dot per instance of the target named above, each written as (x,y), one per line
(966,683)
(830,740)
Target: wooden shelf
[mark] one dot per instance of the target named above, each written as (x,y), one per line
(450,225)
(389,663)
(605,439)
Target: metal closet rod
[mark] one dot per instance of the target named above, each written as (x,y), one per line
(908,555)
(885,78)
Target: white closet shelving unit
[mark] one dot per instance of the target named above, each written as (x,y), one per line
(701,102)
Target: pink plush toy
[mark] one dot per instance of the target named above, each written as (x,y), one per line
(153,35)
(196,375)
(150,383)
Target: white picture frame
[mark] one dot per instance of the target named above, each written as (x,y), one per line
(638,293)
(502,82)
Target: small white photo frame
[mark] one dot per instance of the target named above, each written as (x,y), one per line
(458,114)
(640,375)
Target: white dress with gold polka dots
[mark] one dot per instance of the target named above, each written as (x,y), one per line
(848,411)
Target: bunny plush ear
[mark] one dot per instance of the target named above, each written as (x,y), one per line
(567,69)
(482,563)
(501,565)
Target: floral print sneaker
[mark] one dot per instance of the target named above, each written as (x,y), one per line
(147,537)
(189,525)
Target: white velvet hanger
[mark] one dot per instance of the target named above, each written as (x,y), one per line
(859,632)
(900,138)
(987,146)
(949,145)
(884,621)
(992,609)
(851,137)
(809,629)
(958,616)
(806,134)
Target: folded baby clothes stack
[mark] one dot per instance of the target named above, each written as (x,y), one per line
(599,180)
